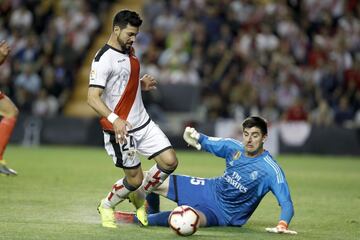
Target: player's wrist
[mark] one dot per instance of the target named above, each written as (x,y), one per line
(112,117)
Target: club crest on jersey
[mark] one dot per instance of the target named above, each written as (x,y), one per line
(237,155)
(254,175)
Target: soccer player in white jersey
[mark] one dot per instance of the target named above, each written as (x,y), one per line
(115,94)
(228,200)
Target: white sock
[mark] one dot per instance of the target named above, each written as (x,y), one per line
(154,178)
(119,192)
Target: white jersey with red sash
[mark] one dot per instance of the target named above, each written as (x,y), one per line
(118,74)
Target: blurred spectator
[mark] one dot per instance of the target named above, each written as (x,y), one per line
(21,18)
(344,113)
(322,115)
(296,112)
(286,50)
(45,105)
(28,80)
(246,56)
(48,39)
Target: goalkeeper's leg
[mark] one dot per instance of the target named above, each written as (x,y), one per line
(153,202)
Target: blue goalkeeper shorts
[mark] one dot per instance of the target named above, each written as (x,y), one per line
(197,193)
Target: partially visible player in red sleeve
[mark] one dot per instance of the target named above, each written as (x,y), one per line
(8,115)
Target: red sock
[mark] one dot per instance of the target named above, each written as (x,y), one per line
(6,127)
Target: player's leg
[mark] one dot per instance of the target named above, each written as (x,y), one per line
(122,187)
(125,158)
(170,189)
(153,199)
(166,164)
(119,192)
(195,192)
(155,145)
(9,112)
(153,202)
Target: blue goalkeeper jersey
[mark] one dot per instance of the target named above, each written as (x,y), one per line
(246,181)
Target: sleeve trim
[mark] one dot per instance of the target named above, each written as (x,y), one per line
(97,86)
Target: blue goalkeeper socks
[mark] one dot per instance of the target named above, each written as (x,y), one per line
(157,219)
(153,201)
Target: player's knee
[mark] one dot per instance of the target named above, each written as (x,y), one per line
(14,112)
(168,161)
(168,166)
(173,164)
(10,110)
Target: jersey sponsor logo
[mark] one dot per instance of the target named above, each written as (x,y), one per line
(119,61)
(254,175)
(92,75)
(234,180)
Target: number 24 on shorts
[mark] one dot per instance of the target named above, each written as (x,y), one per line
(129,144)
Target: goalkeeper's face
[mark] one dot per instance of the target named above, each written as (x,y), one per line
(253,141)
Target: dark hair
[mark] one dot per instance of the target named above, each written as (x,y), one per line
(255,121)
(125,17)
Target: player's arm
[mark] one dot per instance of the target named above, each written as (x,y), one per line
(4,51)
(98,78)
(95,102)
(217,146)
(120,126)
(148,83)
(280,189)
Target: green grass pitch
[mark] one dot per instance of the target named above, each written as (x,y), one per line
(58,188)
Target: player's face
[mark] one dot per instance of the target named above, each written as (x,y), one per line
(253,141)
(126,37)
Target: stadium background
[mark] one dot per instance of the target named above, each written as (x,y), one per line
(294,62)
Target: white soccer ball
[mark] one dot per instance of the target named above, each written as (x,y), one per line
(184,220)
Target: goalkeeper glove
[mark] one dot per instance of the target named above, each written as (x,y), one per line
(282,227)
(191,136)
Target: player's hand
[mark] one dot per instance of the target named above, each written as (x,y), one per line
(148,83)
(121,130)
(282,227)
(4,51)
(191,136)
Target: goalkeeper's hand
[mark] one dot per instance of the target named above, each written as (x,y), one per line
(191,136)
(282,227)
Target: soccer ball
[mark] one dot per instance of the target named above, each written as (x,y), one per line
(184,220)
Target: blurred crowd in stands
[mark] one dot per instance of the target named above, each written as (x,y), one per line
(48,40)
(285,60)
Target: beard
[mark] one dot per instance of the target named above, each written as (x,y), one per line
(125,47)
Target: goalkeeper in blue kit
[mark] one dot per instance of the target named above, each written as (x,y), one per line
(228,200)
